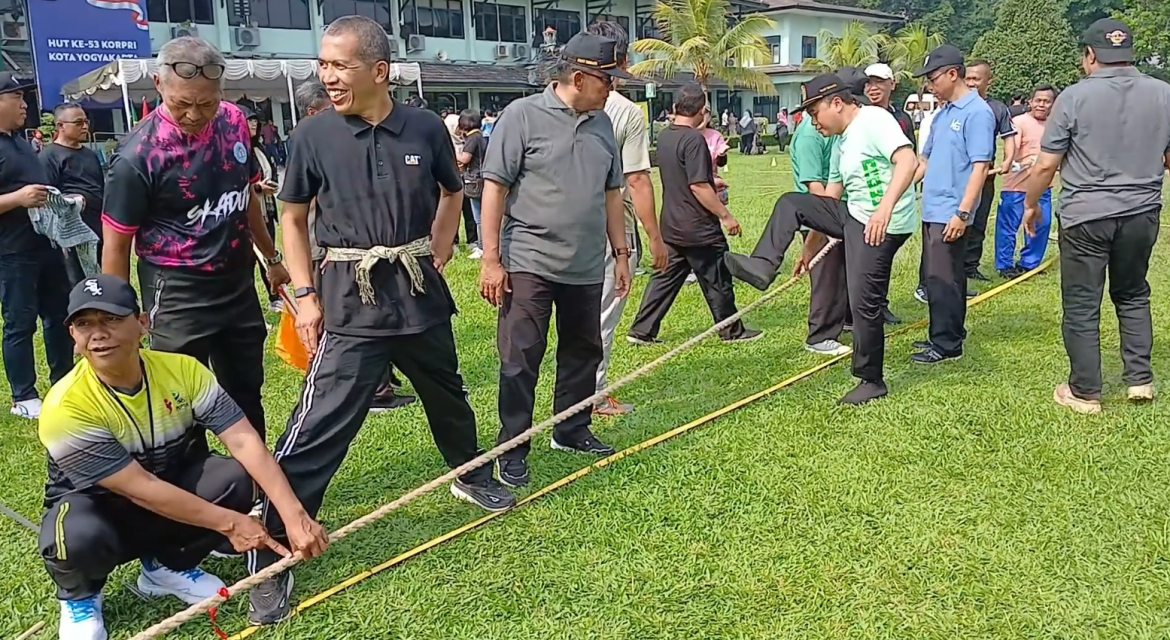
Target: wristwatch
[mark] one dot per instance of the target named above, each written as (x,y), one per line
(621,251)
(303,291)
(274,260)
(965,216)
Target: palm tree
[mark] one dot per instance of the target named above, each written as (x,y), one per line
(857,47)
(908,49)
(696,37)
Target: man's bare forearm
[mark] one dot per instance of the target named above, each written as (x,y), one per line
(116,252)
(294,222)
(260,237)
(1011,148)
(447,216)
(974,186)
(905,166)
(642,193)
(818,189)
(245,445)
(1040,177)
(615,219)
(158,496)
(705,194)
(8,202)
(491,216)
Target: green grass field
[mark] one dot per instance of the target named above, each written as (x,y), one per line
(967,505)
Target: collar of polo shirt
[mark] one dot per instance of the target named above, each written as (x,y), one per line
(553,101)
(962,103)
(1115,72)
(394,123)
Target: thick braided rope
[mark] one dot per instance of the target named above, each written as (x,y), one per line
(194,611)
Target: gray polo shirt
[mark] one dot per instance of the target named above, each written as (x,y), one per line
(557,165)
(1113,128)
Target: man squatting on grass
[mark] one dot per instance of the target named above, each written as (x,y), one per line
(388,198)
(874,165)
(130,473)
(1110,137)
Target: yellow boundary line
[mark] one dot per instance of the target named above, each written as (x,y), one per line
(621,455)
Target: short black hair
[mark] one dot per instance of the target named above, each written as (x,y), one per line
(691,100)
(615,32)
(979,62)
(1046,88)
(416,101)
(64,107)
(469,120)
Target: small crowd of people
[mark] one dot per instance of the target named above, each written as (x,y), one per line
(558,183)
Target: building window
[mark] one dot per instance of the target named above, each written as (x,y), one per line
(647,28)
(177,11)
(567,24)
(500,22)
(774,44)
(273,14)
(377,10)
(766,107)
(433,18)
(808,47)
(623,21)
(447,100)
(497,100)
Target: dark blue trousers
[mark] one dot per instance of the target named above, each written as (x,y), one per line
(34,285)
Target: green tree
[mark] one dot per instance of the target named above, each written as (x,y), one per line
(48,126)
(1082,13)
(857,46)
(1031,43)
(1150,22)
(696,37)
(907,50)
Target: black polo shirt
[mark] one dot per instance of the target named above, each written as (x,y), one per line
(77,171)
(375,186)
(185,197)
(18,169)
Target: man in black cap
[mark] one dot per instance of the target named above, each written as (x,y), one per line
(130,473)
(552,195)
(873,164)
(1109,136)
(33,280)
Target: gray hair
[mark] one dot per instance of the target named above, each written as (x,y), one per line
(190,49)
(372,43)
(310,94)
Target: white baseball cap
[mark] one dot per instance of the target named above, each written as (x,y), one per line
(879,70)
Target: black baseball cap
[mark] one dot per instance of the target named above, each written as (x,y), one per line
(103,293)
(819,88)
(945,56)
(9,83)
(855,81)
(595,53)
(1110,40)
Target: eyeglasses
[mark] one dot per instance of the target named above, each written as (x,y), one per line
(607,79)
(79,121)
(188,70)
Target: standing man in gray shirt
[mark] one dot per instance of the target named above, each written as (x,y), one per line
(1109,135)
(552,195)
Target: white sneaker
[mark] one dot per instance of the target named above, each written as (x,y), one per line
(27,409)
(82,619)
(828,348)
(692,278)
(276,306)
(475,254)
(192,586)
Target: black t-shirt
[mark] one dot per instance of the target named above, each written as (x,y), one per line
(375,186)
(683,160)
(184,197)
(907,123)
(1017,110)
(18,169)
(476,145)
(1004,128)
(77,171)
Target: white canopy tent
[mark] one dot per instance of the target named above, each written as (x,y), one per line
(130,81)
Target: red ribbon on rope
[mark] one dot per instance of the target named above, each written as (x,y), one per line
(214,611)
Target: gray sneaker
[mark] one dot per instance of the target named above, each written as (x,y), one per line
(830,348)
(269,602)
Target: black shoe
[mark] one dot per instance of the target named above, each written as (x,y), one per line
(387,400)
(933,356)
(865,392)
(923,345)
(889,317)
(589,445)
(269,602)
(488,495)
(978,276)
(642,341)
(747,335)
(920,295)
(513,473)
(757,272)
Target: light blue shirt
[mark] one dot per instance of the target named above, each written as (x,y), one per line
(962,134)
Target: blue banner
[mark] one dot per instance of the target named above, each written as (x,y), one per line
(70,38)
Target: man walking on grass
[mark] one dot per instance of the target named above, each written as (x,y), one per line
(74,168)
(1110,138)
(1030,124)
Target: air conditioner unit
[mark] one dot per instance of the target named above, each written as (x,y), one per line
(415,43)
(246,37)
(13,30)
(521,51)
(395,47)
(501,51)
(179,31)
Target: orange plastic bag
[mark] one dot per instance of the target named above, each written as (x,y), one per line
(288,344)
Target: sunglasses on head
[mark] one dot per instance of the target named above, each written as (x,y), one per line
(188,70)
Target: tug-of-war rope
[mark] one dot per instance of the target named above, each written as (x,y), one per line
(199,610)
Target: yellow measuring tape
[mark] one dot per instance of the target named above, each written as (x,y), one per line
(624,453)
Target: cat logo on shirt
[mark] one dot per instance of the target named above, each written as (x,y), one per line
(412,160)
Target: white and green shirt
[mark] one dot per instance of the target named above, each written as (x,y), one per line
(861,161)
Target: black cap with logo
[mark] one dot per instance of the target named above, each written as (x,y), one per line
(855,80)
(594,53)
(1110,40)
(945,56)
(819,88)
(9,83)
(103,293)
